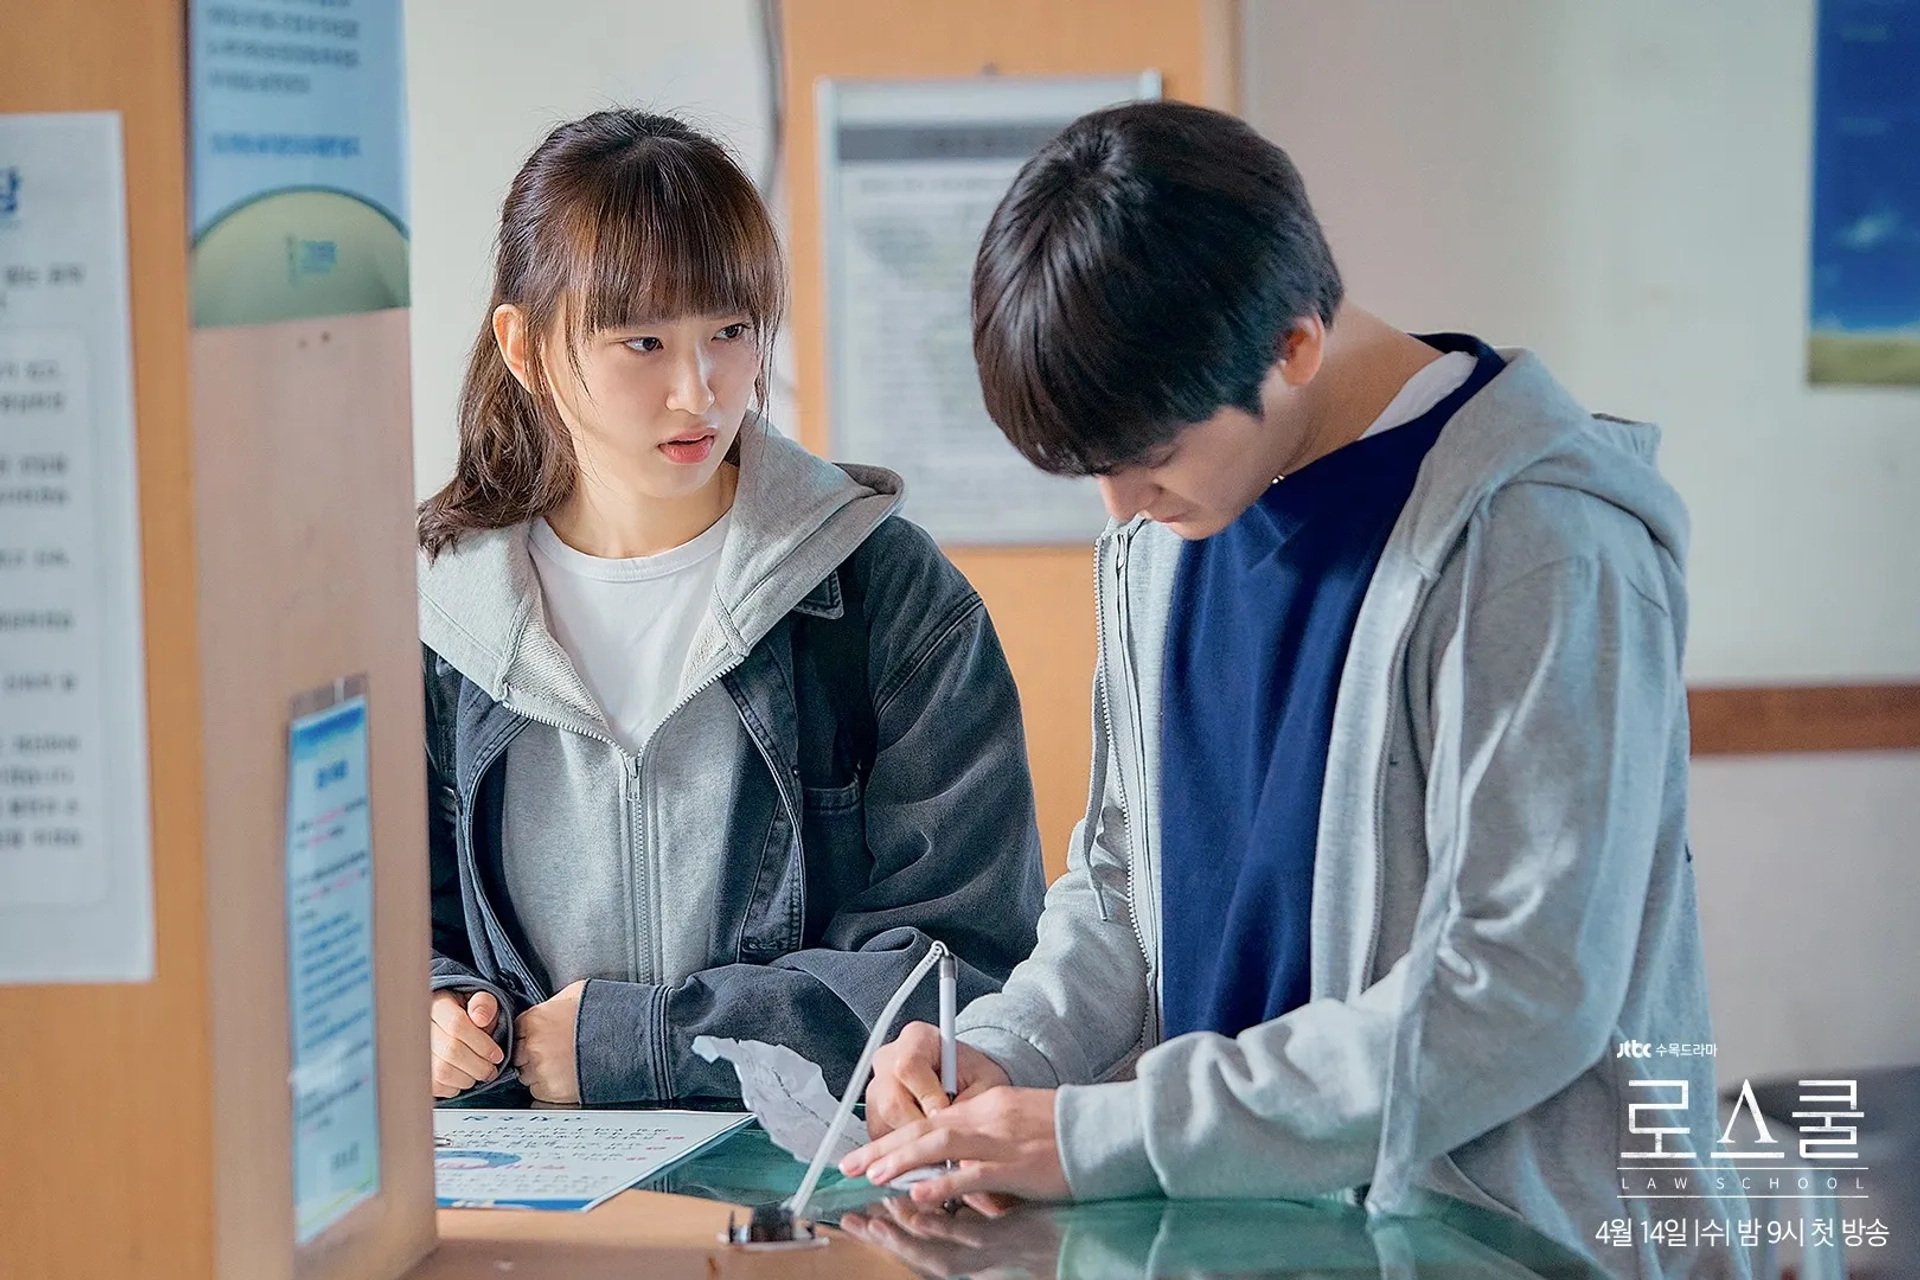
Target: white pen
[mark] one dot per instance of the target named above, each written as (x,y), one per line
(949,1057)
(949,1003)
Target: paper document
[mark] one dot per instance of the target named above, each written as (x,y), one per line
(561,1159)
(76,867)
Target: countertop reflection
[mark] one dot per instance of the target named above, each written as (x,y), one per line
(1190,1239)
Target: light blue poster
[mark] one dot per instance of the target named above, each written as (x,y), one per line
(1866,194)
(336,1115)
(299,159)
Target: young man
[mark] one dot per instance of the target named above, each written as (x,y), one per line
(1384,872)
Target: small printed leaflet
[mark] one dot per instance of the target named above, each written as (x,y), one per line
(336,1114)
(566,1160)
(298,160)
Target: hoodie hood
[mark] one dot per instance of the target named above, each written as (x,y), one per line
(795,518)
(1524,426)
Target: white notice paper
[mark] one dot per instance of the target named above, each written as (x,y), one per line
(911,172)
(561,1159)
(76,890)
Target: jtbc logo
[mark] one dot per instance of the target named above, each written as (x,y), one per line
(1634,1049)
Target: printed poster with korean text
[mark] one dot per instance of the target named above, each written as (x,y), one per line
(299,165)
(76,876)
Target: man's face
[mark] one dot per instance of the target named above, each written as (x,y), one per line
(1213,471)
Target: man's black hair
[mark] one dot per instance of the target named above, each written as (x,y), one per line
(1140,276)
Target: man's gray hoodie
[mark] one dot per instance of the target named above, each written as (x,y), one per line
(1502,894)
(843,780)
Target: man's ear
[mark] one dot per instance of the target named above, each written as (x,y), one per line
(1302,348)
(510,335)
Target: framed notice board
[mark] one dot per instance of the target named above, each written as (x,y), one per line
(910,172)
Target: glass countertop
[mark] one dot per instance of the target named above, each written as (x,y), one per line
(1190,1239)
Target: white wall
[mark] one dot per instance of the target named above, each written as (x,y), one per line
(1624,188)
(1805,868)
(486,80)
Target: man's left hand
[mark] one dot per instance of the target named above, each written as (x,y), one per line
(543,1046)
(1003,1140)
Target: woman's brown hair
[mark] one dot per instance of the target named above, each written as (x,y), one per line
(620,218)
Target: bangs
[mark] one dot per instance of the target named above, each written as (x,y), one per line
(663,232)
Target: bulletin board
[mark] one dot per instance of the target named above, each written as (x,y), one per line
(1040,597)
(68,1159)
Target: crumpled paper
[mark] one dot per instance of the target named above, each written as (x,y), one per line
(788,1095)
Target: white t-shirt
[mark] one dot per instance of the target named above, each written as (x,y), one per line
(1425,389)
(628,624)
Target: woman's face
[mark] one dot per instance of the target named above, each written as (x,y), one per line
(654,408)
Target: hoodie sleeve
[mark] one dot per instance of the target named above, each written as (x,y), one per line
(949,823)
(1077,1010)
(1570,695)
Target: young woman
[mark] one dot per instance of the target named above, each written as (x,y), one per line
(717,744)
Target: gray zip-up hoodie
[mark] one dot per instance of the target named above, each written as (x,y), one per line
(1502,891)
(743,874)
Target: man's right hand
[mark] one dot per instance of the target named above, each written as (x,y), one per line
(464,1052)
(906,1078)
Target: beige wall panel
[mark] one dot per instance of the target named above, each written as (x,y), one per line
(303,469)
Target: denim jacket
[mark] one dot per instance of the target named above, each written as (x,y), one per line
(767,879)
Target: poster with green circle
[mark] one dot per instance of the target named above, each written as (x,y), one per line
(299,160)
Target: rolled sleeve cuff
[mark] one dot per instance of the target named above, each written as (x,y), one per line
(1025,1065)
(1102,1136)
(466,984)
(619,1043)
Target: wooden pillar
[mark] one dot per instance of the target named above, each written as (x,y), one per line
(1041,598)
(147,1124)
